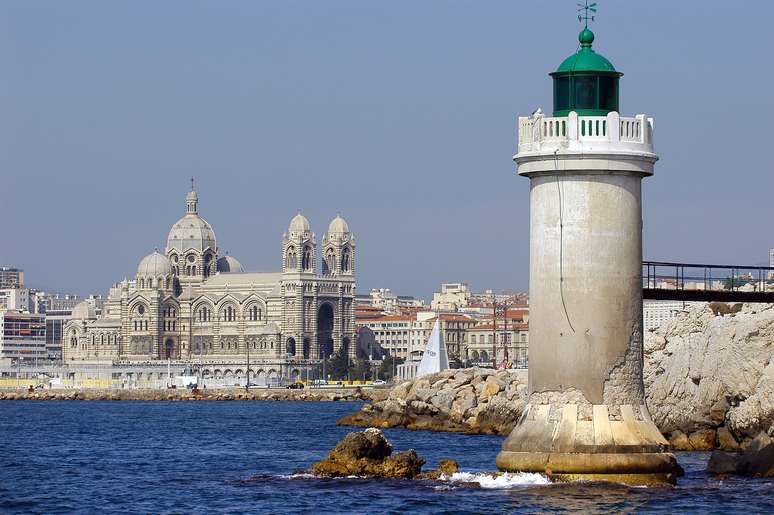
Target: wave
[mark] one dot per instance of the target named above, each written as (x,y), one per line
(504,480)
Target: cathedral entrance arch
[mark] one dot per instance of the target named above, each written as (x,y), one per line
(169,349)
(325,330)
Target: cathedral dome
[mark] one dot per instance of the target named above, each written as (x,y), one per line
(192,231)
(229,264)
(154,265)
(299,224)
(338,226)
(84,311)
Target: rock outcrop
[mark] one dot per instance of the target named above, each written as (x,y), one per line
(709,378)
(474,400)
(369,454)
(757,460)
(219,394)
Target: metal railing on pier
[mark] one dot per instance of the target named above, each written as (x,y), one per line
(702,282)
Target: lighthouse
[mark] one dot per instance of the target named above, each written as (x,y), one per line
(586,416)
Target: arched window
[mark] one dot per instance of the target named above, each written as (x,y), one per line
(142,283)
(291,260)
(345,261)
(145,324)
(306,262)
(102,339)
(329,262)
(207,259)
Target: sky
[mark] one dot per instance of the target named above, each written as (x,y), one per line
(400,115)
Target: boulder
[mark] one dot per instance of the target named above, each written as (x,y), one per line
(492,386)
(445,468)
(757,460)
(702,440)
(679,441)
(726,440)
(368,454)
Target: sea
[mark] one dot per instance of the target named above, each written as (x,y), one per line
(250,457)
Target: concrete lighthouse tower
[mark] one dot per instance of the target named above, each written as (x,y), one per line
(586,417)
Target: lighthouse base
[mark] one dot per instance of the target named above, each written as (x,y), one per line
(596,443)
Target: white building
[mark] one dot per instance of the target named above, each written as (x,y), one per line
(20,299)
(452,297)
(657,312)
(388,301)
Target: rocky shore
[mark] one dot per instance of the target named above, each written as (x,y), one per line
(473,400)
(709,378)
(709,381)
(355,394)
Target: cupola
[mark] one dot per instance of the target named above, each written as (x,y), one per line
(586,82)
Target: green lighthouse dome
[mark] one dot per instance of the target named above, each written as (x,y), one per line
(586,82)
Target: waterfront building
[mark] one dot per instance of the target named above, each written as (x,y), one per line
(586,415)
(451,297)
(390,332)
(656,313)
(454,329)
(469,338)
(189,302)
(11,278)
(22,336)
(388,301)
(506,341)
(19,299)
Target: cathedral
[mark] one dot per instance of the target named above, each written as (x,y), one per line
(191,303)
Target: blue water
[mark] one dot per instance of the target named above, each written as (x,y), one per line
(210,457)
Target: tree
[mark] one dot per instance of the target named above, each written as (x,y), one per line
(388,363)
(338,366)
(360,369)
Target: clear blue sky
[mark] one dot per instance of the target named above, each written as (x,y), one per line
(401,115)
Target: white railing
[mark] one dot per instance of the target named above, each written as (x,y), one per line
(538,133)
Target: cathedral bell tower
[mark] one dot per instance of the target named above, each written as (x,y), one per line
(586,416)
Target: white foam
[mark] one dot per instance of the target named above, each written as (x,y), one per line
(300,475)
(504,480)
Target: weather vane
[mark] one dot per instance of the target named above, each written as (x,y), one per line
(583,12)
(192,184)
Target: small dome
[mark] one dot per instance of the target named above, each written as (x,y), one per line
(154,265)
(586,59)
(84,311)
(338,226)
(299,224)
(229,264)
(192,196)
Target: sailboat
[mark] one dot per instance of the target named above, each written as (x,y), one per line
(435,358)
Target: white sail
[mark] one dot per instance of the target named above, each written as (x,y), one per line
(435,357)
